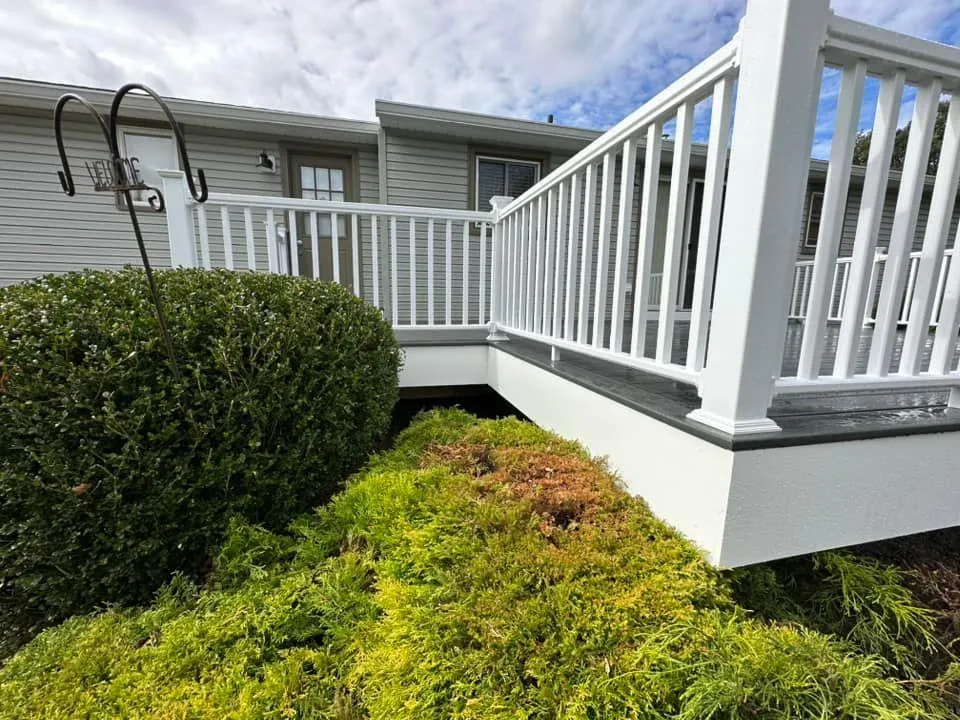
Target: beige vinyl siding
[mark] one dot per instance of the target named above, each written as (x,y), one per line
(44,231)
(436,172)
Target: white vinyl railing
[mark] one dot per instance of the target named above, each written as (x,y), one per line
(426,267)
(570,262)
(803,272)
(569,250)
(898,290)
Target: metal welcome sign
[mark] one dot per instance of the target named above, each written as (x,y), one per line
(122,177)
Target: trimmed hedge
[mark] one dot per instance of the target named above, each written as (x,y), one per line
(113,475)
(482,570)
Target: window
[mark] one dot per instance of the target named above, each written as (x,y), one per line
(814,210)
(153,151)
(322,183)
(503,176)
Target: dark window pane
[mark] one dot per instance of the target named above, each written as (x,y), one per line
(813,219)
(521,177)
(491,181)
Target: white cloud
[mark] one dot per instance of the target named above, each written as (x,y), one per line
(589,62)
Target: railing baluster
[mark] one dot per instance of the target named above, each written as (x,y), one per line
(573,229)
(448,275)
(355,249)
(431,318)
(628,174)
(394,304)
(511,271)
(603,250)
(712,205)
(494,271)
(530,300)
(375,259)
(539,256)
(831,223)
(908,293)
(523,306)
(248,231)
(646,237)
(795,297)
(561,260)
(465,294)
(335,245)
(549,270)
(204,236)
(904,225)
(843,291)
(929,265)
(227,236)
(315,245)
(273,261)
(869,311)
(674,246)
(805,293)
(413,271)
(863,264)
(586,251)
(944,342)
(292,242)
(941,282)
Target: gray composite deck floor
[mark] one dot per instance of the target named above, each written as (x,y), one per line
(804,419)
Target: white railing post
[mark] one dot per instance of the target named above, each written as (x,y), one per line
(496,276)
(779,88)
(179,211)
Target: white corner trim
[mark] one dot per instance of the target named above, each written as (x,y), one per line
(738,427)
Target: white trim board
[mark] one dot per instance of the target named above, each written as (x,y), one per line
(443,365)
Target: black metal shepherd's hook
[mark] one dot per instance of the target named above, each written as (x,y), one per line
(121,175)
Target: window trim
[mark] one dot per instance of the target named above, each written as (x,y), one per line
(809,244)
(477,157)
(152,132)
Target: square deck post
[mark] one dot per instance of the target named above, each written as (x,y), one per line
(496,280)
(777,98)
(183,246)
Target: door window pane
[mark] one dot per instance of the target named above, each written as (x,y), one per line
(336,179)
(306,180)
(323,179)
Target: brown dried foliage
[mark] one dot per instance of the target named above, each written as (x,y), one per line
(563,490)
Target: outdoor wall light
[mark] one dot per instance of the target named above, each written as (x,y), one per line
(266,163)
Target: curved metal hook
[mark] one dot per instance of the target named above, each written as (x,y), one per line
(66,177)
(181,145)
(156,201)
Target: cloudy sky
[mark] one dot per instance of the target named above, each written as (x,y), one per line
(589,62)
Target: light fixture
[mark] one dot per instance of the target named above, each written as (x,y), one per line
(266,163)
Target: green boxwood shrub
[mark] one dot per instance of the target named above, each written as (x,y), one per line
(113,474)
(482,570)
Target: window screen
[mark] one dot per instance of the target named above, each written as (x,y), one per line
(504,177)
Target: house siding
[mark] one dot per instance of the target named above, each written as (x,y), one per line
(42,230)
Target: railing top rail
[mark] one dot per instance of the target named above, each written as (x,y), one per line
(696,85)
(887,51)
(346,208)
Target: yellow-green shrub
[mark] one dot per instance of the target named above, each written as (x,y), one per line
(431,588)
